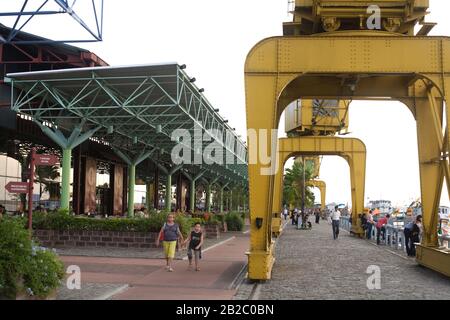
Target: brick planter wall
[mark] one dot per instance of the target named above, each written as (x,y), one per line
(212,232)
(119,239)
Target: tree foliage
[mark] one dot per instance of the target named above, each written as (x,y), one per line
(293,185)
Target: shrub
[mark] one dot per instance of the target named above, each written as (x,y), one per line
(15,251)
(213,221)
(234,221)
(185,224)
(23,265)
(43,272)
(63,222)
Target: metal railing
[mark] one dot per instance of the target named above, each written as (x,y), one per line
(393,236)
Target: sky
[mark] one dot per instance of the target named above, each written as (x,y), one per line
(213,37)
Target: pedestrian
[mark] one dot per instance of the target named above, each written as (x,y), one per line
(335,220)
(2,211)
(195,240)
(381,227)
(369,224)
(412,232)
(285,213)
(317,214)
(170,233)
(295,216)
(299,218)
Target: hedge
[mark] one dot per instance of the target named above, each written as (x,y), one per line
(23,265)
(234,221)
(66,222)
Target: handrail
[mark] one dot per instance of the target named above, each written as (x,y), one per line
(394,236)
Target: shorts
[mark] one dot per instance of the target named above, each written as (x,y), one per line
(197,253)
(169,248)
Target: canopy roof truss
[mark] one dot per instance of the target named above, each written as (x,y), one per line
(135,107)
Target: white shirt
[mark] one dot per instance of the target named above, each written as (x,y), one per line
(336,215)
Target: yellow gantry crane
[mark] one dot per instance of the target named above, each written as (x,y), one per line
(344,51)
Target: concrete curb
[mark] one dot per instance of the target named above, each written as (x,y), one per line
(112,293)
(240,277)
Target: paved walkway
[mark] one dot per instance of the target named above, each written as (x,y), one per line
(311,265)
(114,252)
(137,278)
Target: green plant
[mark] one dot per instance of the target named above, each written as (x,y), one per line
(234,221)
(43,272)
(220,217)
(213,220)
(185,224)
(62,221)
(15,250)
(24,265)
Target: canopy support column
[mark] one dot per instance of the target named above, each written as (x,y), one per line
(193,181)
(209,193)
(221,196)
(168,173)
(132,163)
(67,144)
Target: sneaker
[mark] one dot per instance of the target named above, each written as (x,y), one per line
(197,269)
(170,270)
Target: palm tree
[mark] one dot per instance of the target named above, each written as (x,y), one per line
(47,175)
(294,183)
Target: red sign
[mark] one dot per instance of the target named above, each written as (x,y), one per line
(17,187)
(45,159)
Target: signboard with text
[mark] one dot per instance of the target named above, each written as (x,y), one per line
(45,159)
(17,187)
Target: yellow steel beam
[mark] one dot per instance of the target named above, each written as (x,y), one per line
(344,67)
(351,149)
(322,186)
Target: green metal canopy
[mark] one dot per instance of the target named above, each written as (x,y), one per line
(133,109)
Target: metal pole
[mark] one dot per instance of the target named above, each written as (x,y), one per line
(208,198)
(131,185)
(221,200)
(231,200)
(65,179)
(237,202)
(148,195)
(304,192)
(30,191)
(192,196)
(169,192)
(156,190)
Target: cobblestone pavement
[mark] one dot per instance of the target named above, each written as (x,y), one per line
(133,252)
(311,265)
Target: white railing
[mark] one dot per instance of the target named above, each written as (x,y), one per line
(394,236)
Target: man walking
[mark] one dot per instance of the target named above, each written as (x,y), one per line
(285,213)
(381,228)
(317,214)
(412,232)
(335,220)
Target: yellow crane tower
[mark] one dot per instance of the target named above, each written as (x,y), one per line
(344,51)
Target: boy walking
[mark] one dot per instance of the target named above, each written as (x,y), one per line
(195,240)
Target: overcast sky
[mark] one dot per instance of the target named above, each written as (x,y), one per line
(213,37)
